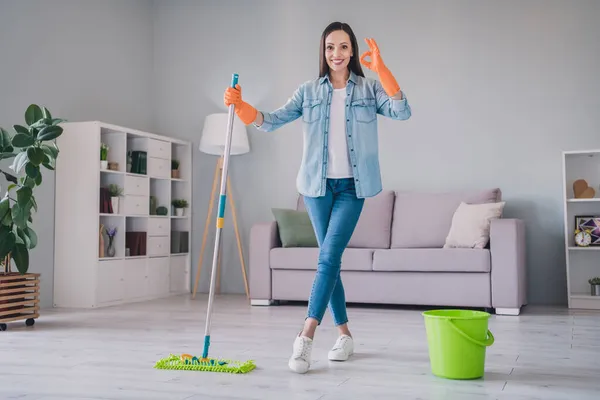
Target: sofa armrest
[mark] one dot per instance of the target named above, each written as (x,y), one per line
(264,236)
(507,247)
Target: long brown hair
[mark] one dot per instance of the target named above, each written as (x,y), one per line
(354,64)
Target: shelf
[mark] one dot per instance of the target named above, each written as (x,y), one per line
(595,199)
(583,296)
(148,270)
(591,248)
(111,171)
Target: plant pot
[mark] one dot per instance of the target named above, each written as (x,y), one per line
(595,290)
(19,298)
(175,173)
(179,212)
(115,204)
(103,164)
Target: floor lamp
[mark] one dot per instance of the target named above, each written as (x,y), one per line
(213,142)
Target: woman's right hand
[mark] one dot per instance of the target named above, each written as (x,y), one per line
(233,96)
(244,111)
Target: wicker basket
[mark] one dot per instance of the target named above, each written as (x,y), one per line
(19,296)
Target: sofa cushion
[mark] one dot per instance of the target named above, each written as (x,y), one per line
(423,220)
(295,228)
(432,260)
(471,225)
(374,227)
(307,258)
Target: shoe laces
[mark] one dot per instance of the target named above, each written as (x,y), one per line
(341,342)
(302,350)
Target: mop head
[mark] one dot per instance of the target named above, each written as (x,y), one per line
(191,363)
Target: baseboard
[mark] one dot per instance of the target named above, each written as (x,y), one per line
(260,302)
(508,311)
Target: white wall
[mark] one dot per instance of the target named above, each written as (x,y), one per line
(84,60)
(498,90)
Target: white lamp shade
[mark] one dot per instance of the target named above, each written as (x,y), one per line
(214,135)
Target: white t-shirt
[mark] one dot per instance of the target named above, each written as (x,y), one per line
(338,162)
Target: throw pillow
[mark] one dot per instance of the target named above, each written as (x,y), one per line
(471,225)
(295,228)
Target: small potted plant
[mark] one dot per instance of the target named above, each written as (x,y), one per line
(115,192)
(103,156)
(595,286)
(175,169)
(179,205)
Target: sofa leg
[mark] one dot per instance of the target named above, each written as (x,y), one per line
(261,302)
(508,311)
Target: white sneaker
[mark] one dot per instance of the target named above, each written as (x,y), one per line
(343,348)
(300,359)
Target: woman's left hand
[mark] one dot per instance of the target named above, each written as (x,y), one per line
(373,52)
(376,64)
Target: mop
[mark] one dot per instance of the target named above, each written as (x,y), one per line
(205,363)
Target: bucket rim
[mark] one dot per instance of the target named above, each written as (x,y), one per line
(469,314)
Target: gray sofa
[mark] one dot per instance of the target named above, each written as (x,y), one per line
(396,256)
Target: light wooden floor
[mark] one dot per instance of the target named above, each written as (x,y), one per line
(109,354)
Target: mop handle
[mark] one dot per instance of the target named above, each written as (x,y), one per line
(220,219)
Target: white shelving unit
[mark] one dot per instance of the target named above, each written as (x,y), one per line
(582,263)
(84,279)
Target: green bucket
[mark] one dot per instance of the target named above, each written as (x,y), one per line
(457,341)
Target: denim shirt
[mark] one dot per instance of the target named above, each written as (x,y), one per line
(365,98)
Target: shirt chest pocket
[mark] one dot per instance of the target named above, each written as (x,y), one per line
(364,110)
(311,110)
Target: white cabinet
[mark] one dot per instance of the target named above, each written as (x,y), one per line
(86,274)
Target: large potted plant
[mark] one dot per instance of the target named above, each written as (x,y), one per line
(32,147)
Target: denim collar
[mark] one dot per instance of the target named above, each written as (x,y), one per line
(351,78)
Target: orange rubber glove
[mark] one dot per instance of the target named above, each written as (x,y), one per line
(376,64)
(244,111)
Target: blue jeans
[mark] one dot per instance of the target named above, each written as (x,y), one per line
(334,217)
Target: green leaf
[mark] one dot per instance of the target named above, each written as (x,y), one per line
(56,121)
(34,204)
(23,237)
(48,166)
(18,238)
(38,179)
(5,141)
(27,181)
(20,255)
(50,132)
(46,113)
(11,187)
(24,195)
(21,129)
(22,140)
(7,242)
(33,239)
(50,151)
(31,170)
(20,215)
(5,217)
(19,162)
(33,114)
(35,155)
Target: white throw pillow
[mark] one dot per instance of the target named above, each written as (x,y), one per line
(471,225)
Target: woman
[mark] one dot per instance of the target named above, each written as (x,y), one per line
(340,164)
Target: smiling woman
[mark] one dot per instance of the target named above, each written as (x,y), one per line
(340,164)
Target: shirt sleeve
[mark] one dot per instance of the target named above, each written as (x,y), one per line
(285,114)
(389,107)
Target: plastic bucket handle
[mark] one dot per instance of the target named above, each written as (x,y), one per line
(488,342)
